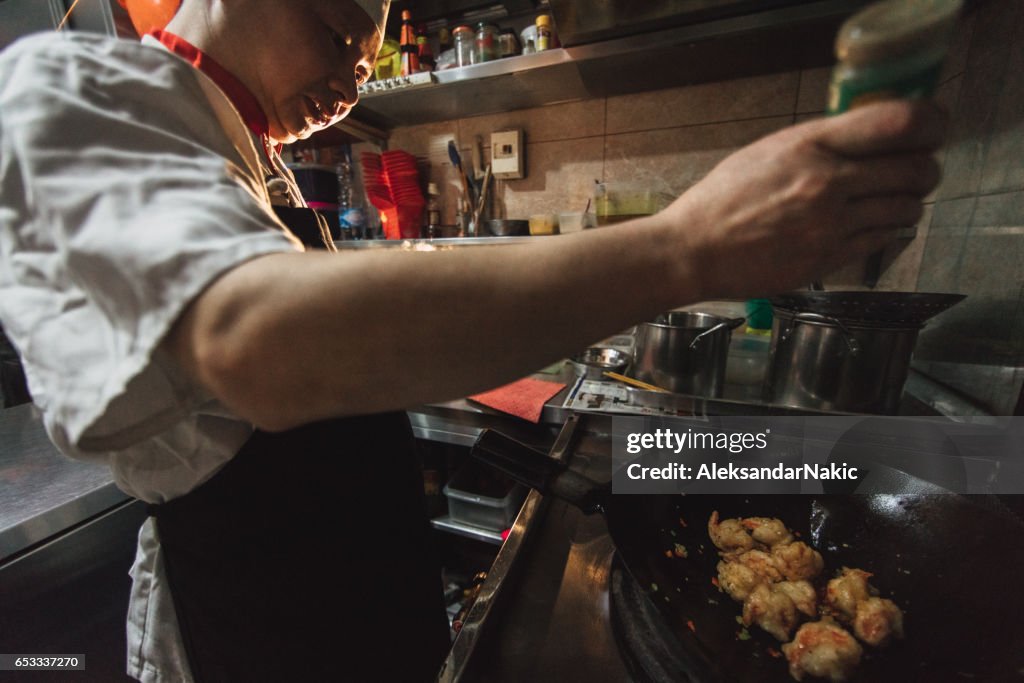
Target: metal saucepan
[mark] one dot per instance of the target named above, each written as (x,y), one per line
(684,352)
(951,562)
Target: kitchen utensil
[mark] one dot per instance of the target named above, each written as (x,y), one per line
(504,227)
(684,352)
(453,154)
(961,607)
(635,382)
(909,308)
(484,184)
(596,360)
(846,351)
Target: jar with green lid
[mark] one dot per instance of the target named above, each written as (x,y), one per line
(891,49)
(486,42)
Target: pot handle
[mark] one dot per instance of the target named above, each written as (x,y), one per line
(851,343)
(537,470)
(731,323)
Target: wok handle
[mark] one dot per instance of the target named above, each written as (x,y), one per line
(537,470)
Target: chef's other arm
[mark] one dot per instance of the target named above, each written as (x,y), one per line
(290,338)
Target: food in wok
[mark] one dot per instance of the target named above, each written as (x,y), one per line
(764,567)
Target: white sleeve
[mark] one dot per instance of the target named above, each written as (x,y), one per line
(122,198)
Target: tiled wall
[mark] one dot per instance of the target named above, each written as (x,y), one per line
(970,239)
(975,241)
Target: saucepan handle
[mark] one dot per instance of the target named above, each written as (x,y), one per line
(732,324)
(851,342)
(537,470)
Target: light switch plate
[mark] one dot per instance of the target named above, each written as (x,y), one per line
(507,154)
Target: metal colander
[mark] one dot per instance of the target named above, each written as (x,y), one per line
(877,308)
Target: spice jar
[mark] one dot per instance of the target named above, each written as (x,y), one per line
(465,46)
(508,43)
(486,42)
(891,49)
(544,32)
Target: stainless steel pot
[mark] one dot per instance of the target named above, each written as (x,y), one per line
(824,363)
(684,352)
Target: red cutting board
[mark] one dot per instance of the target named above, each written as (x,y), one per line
(523,398)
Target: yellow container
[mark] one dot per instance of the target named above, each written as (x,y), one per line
(544,224)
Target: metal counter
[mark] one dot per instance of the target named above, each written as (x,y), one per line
(43,492)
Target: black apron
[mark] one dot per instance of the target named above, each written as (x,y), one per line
(308,558)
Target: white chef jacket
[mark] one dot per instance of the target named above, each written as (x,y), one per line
(128,183)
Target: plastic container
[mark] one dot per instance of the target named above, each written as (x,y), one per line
(544,224)
(892,49)
(616,202)
(575,222)
(389,60)
(482,497)
(748,360)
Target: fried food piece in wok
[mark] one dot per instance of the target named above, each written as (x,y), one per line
(878,621)
(798,561)
(729,535)
(761,563)
(847,590)
(767,530)
(772,610)
(737,579)
(823,649)
(803,595)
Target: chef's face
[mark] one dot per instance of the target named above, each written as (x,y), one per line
(303,59)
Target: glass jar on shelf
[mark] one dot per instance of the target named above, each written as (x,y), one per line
(465,46)
(486,42)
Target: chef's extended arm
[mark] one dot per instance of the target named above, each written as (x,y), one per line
(286,339)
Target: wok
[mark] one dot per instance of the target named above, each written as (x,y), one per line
(953,564)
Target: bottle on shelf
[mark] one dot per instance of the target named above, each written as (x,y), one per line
(351,214)
(544,41)
(425,54)
(410,51)
(433,228)
(444,40)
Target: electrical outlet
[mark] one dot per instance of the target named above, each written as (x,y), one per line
(507,154)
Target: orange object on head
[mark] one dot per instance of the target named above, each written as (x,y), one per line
(150,15)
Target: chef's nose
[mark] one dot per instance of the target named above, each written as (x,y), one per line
(346,87)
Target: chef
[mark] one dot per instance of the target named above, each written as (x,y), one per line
(252,392)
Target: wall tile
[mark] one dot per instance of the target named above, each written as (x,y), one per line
(671,160)
(813,94)
(542,124)
(956,58)
(999,211)
(1004,154)
(995,23)
(901,261)
(560,177)
(742,98)
(953,216)
(427,140)
(940,264)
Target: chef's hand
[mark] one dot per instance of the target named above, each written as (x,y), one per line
(795,205)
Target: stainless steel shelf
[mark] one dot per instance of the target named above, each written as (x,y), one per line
(782,38)
(446,523)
